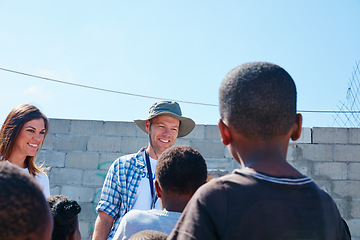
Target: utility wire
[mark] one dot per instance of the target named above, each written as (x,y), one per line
(144,96)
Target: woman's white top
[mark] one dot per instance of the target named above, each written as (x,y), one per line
(41,178)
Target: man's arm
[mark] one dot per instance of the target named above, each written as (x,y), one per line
(103,226)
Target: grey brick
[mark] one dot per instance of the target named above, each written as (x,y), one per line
(305,136)
(354,171)
(59,125)
(182,141)
(55,190)
(140,133)
(104,144)
(65,176)
(218,164)
(212,132)
(347,188)
(82,160)
(209,149)
(133,145)
(304,167)
(87,127)
(106,159)
(330,135)
(354,225)
(227,152)
(51,158)
(86,229)
(197,133)
(354,135)
(79,194)
(347,153)
(88,212)
(355,208)
(123,129)
(326,185)
(71,143)
(94,178)
(313,152)
(332,170)
(49,142)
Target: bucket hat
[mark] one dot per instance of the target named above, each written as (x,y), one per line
(172,109)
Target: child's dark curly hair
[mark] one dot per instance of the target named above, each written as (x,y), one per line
(65,213)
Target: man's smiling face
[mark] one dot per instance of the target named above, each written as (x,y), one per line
(163,132)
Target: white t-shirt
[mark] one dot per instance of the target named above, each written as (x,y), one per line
(143,195)
(41,178)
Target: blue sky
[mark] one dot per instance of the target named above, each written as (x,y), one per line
(171,49)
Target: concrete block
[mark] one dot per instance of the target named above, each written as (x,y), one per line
(354,171)
(305,136)
(227,152)
(82,160)
(330,135)
(51,158)
(94,178)
(106,159)
(332,170)
(347,189)
(88,212)
(69,176)
(59,125)
(354,226)
(326,185)
(140,133)
(182,141)
(347,153)
(197,133)
(224,164)
(79,194)
(209,149)
(123,129)
(56,190)
(305,167)
(354,135)
(355,208)
(344,207)
(86,230)
(234,164)
(49,142)
(312,152)
(87,127)
(71,143)
(104,144)
(212,133)
(97,195)
(133,145)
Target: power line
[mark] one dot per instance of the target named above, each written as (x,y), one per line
(145,96)
(102,89)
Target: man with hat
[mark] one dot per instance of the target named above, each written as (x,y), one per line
(129,182)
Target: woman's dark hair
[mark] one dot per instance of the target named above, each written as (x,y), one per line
(11,128)
(65,213)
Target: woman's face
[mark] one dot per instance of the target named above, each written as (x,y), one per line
(30,138)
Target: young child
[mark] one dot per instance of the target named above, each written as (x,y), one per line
(267,198)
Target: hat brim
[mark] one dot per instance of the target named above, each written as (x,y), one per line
(186,124)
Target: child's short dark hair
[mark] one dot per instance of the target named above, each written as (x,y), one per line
(181,170)
(65,214)
(24,211)
(259,100)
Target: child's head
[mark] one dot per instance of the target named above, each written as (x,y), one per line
(259,100)
(24,212)
(181,170)
(65,213)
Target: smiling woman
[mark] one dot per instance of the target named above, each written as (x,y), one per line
(21,138)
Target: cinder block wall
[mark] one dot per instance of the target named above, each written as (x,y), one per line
(79,152)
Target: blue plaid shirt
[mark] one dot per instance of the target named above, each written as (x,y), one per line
(120,186)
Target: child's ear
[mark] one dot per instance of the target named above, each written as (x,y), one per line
(296,131)
(157,189)
(224,132)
